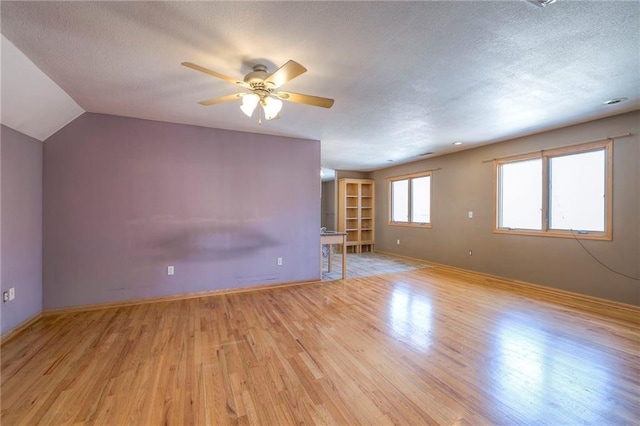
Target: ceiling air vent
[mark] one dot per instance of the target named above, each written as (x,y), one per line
(615,101)
(541,3)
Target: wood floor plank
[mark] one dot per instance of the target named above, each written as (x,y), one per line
(429,346)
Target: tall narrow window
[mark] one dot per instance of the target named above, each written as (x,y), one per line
(577,191)
(410,200)
(562,193)
(400,201)
(421,200)
(521,194)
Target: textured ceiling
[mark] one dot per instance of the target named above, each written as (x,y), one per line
(407,77)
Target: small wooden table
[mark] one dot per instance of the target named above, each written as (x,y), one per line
(331,238)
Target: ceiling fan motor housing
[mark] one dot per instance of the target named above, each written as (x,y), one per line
(257,78)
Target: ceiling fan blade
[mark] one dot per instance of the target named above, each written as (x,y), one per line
(215,74)
(221,99)
(285,73)
(306,99)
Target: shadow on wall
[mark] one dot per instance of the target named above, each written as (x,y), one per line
(198,242)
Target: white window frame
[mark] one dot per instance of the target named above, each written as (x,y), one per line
(605,145)
(409,178)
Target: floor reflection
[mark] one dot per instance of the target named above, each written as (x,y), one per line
(410,318)
(536,372)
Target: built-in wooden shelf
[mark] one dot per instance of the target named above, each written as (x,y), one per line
(356,213)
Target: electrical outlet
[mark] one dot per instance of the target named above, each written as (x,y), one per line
(470,252)
(12,293)
(170,270)
(279,261)
(398,242)
(5,296)
(470,215)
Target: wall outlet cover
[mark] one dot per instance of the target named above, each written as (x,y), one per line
(12,293)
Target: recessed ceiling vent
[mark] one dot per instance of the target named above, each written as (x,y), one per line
(541,3)
(615,101)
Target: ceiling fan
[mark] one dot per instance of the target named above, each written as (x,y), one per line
(262,87)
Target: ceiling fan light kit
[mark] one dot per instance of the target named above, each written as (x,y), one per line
(270,106)
(262,85)
(249,103)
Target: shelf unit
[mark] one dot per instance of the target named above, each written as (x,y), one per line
(356,214)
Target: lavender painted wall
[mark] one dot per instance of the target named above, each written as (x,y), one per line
(21,226)
(124,198)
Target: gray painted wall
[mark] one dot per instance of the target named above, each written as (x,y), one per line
(329,204)
(21,226)
(464,183)
(124,198)
(348,174)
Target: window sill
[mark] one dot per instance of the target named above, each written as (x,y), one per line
(601,236)
(410,225)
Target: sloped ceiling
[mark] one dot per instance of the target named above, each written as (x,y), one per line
(31,102)
(407,77)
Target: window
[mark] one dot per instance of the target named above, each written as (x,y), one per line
(521,194)
(411,200)
(561,193)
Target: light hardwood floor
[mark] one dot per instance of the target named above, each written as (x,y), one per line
(431,346)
